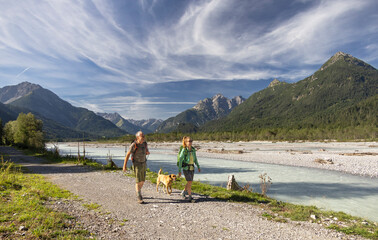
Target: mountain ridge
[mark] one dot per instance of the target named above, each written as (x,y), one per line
(123,123)
(339,84)
(43,102)
(205,110)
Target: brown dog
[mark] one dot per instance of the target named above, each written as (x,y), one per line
(166,180)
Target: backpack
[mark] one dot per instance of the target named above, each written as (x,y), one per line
(136,148)
(178,155)
(184,164)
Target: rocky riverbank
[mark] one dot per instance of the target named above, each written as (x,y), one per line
(358,158)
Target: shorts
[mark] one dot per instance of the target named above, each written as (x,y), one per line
(189,175)
(140,172)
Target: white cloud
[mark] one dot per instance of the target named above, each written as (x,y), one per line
(88,49)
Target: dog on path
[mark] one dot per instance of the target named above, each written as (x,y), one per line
(167,181)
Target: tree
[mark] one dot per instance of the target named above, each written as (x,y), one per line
(9,132)
(26,131)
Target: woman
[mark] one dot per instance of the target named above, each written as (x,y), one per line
(188,158)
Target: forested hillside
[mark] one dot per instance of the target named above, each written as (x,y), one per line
(340,97)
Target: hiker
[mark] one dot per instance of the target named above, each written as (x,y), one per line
(138,151)
(187,160)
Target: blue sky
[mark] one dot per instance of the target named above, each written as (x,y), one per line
(154,59)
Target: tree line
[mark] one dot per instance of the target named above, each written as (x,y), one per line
(355,133)
(25,131)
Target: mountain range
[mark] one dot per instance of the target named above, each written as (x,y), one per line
(61,119)
(130,125)
(206,110)
(341,94)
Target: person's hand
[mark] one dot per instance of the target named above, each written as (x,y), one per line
(179,175)
(199,169)
(125,169)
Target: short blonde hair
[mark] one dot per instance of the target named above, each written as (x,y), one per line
(139,133)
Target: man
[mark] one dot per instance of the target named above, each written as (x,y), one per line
(138,151)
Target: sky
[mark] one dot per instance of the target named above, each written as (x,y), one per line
(154,59)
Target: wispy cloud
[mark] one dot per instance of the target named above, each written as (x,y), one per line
(98,47)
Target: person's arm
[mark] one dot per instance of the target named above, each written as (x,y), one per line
(196,161)
(127,157)
(126,160)
(147,151)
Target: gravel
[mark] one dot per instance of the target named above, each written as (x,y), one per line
(163,216)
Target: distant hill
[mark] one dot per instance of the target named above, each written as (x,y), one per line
(205,110)
(150,124)
(79,121)
(124,124)
(341,94)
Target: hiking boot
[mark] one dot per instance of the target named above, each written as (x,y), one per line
(190,199)
(140,198)
(183,194)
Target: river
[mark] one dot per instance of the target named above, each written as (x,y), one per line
(328,190)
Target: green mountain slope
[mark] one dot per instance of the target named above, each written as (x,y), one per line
(7,114)
(342,93)
(53,130)
(49,106)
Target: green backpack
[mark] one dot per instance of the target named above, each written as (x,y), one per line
(184,164)
(178,155)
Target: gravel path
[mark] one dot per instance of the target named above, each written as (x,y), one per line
(163,216)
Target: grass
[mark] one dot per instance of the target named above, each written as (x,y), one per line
(23,211)
(91,206)
(274,210)
(54,157)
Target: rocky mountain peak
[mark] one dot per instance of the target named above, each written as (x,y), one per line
(113,117)
(275,82)
(9,94)
(218,104)
(346,58)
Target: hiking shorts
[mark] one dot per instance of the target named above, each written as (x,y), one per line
(189,175)
(140,172)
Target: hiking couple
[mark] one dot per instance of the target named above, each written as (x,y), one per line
(186,160)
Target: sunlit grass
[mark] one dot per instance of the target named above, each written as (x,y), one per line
(23,213)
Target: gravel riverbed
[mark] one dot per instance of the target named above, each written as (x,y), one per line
(358,158)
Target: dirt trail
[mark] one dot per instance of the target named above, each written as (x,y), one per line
(163,216)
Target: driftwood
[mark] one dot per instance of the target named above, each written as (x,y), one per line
(232,184)
(359,154)
(323,161)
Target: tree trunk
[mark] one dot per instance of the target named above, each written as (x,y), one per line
(232,184)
